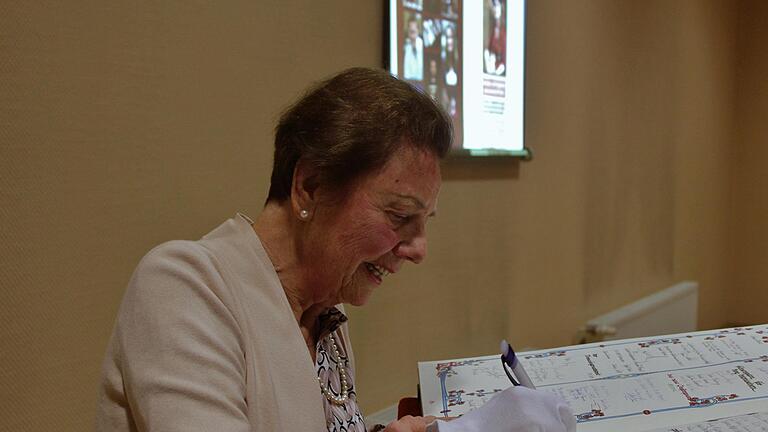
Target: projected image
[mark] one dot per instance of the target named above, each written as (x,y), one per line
(430,57)
(469,57)
(495,37)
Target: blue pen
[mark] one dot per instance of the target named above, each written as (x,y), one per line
(508,358)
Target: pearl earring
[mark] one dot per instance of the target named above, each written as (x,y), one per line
(303,214)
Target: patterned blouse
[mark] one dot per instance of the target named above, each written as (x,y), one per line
(338,418)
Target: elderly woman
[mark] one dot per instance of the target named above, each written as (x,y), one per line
(243,330)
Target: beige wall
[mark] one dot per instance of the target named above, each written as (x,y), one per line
(749,293)
(124,126)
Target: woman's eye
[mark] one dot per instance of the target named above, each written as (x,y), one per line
(398,217)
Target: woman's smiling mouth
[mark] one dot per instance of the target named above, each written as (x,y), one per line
(377,272)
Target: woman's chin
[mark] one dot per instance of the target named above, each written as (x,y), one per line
(358,302)
(361,297)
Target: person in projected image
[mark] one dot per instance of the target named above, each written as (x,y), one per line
(244,329)
(496,48)
(449,8)
(431,30)
(413,52)
(432,79)
(450,56)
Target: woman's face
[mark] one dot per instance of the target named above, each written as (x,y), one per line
(358,240)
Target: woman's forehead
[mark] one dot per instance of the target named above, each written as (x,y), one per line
(411,176)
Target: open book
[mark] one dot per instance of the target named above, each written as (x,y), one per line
(709,381)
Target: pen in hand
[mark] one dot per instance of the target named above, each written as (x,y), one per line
(508,358)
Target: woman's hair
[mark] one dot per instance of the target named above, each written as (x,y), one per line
(350,125)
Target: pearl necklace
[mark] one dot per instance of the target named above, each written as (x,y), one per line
(341,399)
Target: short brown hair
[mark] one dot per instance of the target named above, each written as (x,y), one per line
(350,124)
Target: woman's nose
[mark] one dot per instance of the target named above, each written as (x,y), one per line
(414,250)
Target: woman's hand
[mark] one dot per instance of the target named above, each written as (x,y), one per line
(516,409)
(410,424)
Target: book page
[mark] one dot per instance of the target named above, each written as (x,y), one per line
(637,384)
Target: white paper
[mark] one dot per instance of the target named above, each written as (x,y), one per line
(742,423)
(630,385)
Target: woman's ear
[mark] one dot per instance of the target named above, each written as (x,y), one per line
(304,190)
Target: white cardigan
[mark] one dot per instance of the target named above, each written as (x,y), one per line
(205,340)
